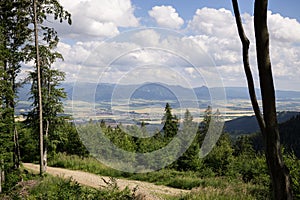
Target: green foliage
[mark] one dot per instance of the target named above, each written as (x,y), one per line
(293,164)
(221,156)
(189,161)
(57,188)
(289,135)
(67,140)
(170,123)
(14,34)
(87,164)
(64,139)
(29,148)
(6,120)
(52,104)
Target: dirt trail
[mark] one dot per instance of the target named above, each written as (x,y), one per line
(145,190)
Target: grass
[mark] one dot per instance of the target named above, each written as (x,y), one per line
(59,188)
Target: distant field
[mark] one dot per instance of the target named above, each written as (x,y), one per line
(149,112)
(152,111)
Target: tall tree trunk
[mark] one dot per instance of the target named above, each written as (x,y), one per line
(2,174)
(281,183)
(16,148)
(38,68)
(14,128)
(46,146)
(0,179)
(279,172)
(47,127)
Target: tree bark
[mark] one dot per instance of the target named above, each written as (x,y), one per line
(279,172)
(38,68)
(0,179)
(46,145)
(17,155)
(2,174)
(246,43)
(281,183)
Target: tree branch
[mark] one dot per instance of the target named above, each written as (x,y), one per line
(246,43)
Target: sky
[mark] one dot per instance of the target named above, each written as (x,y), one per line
(184,42)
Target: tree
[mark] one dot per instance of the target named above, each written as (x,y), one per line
(6,147)
(267,121)
(170,122)
(44,57)
(221,155)
(38,69)
(190,158)
(14,20)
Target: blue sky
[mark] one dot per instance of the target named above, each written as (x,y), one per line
(187,8)
(205,26)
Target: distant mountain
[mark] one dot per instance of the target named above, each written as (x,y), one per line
(159,91)
(248,124)
(152,91)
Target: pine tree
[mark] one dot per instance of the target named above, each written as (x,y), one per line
(6,147)
(170,123)
(190,158)
(14,20)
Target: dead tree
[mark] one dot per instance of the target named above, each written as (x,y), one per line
(281,183)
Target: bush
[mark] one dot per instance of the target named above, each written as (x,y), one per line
(293,163)
(58,188)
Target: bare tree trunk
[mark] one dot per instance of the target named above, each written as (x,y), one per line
(47,131)
(16,149)
(46,146)
(281,182)
(0,179)
(279,172)
(39,89)
(2,175)
(16,154)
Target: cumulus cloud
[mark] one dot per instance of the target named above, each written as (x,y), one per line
(166,16)
(93,18)
(212,31)
(209,21)
(163,59)
(283,29)
(215,31)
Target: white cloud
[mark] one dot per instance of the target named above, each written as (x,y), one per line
(166,16)
(209,21)
(94,18)
(283,29)
(215,31)
(211,30)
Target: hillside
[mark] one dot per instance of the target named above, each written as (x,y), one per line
(289,136)
(248,124)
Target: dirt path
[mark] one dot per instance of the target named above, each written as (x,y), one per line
(145,190)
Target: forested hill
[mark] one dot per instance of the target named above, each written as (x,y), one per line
(289,136)
(248,124)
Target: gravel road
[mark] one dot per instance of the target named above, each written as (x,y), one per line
(145,190)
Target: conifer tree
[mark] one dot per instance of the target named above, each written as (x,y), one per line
(14,20)
(190,158)
(170,123)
